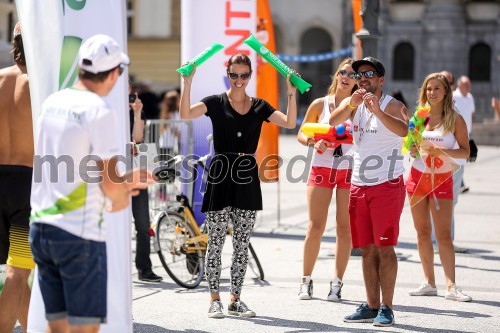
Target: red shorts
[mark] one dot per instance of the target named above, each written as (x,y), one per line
(328,177)
(420,184)
(375,212)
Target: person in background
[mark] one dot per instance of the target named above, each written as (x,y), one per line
(16,170)
(444,139)
(170,134)
(464,102)
(495,105)
(329,170)
(236,121)
(140,202)
(149,99)
(457,179)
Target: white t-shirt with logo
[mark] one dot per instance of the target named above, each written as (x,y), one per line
(74,125)
(377,152)
(465,107)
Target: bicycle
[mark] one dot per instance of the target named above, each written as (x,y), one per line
(180,243)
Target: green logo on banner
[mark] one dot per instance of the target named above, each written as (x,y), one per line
(74,4)
(68,70)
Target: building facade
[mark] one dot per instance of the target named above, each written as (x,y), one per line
(421,37)
(417,37)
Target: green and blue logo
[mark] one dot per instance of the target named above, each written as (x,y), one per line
(68,69)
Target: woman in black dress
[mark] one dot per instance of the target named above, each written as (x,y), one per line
(233,186)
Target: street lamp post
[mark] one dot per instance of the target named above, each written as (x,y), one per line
(369,33)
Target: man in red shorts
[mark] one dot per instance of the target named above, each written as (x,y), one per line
(377,196)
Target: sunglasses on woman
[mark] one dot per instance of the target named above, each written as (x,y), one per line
(345,73)
(367,74)
(234,76)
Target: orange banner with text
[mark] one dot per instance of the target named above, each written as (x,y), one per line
(267,88)
(358,22)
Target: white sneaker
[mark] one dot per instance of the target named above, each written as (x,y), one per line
(456,294)
(424,290)
(306,289)
(335,289)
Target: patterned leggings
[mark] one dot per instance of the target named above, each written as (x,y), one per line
(217,224)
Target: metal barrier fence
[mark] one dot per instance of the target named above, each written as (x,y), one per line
(172,138)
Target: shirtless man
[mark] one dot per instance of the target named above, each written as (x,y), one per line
(16,168)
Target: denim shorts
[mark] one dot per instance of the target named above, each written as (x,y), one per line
(72,274)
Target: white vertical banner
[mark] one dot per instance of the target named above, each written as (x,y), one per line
(53,31)
(231,22)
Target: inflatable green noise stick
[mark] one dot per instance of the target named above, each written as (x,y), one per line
(199,59)
(280,66)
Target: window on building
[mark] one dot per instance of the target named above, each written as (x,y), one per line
(480,62)
(403,65)
(314,41)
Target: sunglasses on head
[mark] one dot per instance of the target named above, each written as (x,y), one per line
(234,76)
(345,73)
(367,74)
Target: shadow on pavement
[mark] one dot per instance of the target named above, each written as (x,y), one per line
(425,329)
(300,325)
(296,326)
(441,312)
(489,303)
(147,328)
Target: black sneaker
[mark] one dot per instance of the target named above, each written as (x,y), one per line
(238,308)
(149,276)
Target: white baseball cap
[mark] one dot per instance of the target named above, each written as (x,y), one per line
(101,53)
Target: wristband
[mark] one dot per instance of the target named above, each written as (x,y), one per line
(352,107)
(310,144)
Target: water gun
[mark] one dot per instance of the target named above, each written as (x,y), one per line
(335,135)
(415,128)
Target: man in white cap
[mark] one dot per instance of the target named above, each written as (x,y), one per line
(67,232)
(16,169)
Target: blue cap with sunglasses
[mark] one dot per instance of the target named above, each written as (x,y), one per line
(369,61)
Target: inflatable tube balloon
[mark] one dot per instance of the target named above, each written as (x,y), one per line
(280,66)
(199,59)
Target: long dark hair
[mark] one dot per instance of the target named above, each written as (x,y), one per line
(18,50)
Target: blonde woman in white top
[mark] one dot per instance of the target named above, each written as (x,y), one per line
(329,170)
(430,183)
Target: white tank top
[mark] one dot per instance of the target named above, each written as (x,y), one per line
(377,152)
(437,138)
(327,159)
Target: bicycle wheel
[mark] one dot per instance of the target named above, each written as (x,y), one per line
(183,264)
(254,263)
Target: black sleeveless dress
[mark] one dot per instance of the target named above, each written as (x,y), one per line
(233,179)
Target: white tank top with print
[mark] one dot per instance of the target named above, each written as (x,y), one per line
(437,138)
(377,152)
(327,159)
